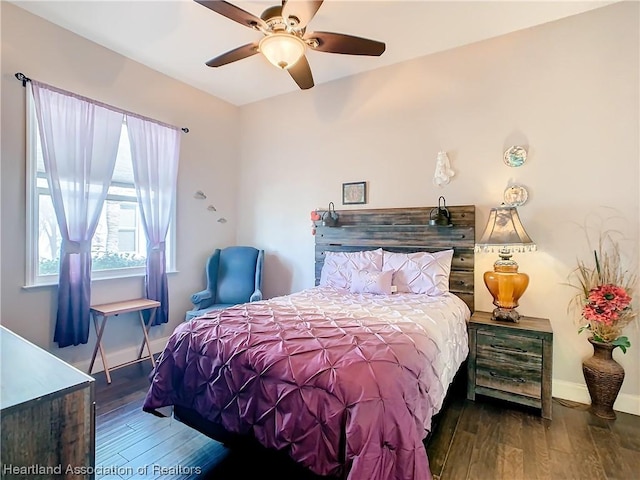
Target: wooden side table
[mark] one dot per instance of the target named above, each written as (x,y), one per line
(511,361)
(107,310)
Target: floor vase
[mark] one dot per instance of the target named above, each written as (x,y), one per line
(604,377)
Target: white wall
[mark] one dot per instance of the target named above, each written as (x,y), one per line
(208,162)
(568,90)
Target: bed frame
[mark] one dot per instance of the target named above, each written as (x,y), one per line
(405,230)
(394,229)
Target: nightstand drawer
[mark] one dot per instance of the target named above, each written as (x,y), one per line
(517,348)
(510,363)
(518,379)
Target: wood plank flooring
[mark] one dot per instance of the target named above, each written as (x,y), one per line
(489,439)
(482,440)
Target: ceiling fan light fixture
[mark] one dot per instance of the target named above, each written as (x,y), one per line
(282,49)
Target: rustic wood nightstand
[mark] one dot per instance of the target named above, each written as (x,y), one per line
(511,361)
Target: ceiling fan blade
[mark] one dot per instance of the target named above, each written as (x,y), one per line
(301,73)
(303,10)
(348,44)
(234,13)
(232,55)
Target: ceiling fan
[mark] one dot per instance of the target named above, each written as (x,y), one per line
(286,39)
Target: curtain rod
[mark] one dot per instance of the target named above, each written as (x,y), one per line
(24,79)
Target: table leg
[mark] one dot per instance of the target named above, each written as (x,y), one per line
(145,340)
(95,350)
(99,332)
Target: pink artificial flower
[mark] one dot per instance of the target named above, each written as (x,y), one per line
(610,296)
(605,302)
(594,314)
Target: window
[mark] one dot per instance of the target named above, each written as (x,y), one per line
(118,248)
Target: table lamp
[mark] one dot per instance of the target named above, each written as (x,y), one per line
(504,232)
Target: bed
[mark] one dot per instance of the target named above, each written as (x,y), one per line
(344,379)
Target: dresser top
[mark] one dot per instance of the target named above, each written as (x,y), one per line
(529,324)
(28,372)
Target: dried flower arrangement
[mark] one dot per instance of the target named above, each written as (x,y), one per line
(604,300)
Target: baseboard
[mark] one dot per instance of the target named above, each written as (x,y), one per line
(121,356)
(577,392)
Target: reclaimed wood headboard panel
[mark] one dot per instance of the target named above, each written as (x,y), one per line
(405,230)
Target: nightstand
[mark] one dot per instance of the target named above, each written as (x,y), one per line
(511,361)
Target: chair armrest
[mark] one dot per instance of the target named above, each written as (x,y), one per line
(256,296)
(202,299)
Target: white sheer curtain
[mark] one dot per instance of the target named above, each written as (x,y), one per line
(155,152)
(79,145)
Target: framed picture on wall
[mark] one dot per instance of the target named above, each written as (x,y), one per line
(354,193)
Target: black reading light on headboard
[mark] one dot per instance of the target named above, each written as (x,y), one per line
(440,216)
(330,217)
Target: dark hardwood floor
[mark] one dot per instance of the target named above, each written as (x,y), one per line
(132,444)
(481,440)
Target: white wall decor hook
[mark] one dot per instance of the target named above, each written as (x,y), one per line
(443,173)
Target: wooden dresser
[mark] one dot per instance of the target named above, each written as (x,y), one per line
(511,361)
(48,414)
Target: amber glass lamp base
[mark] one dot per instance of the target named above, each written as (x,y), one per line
(506,286)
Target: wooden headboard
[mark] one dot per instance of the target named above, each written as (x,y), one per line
(405,230)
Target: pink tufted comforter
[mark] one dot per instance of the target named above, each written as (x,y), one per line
(340,391)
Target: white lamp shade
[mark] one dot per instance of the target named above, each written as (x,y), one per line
(282,49)
(505,230)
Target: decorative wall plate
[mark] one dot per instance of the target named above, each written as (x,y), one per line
(515,195)
(515,156)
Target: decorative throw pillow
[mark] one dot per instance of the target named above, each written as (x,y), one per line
(338,266)
(371,281)
(420,272)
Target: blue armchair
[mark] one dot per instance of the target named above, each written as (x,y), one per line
(234,276)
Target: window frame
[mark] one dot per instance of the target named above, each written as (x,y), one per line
(138,232)
(33,278)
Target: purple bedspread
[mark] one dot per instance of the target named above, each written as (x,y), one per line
(343,396)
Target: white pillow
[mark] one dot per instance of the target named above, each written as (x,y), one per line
(338,266)
(420,272)
(371,281)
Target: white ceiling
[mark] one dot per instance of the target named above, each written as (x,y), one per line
(177,37)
